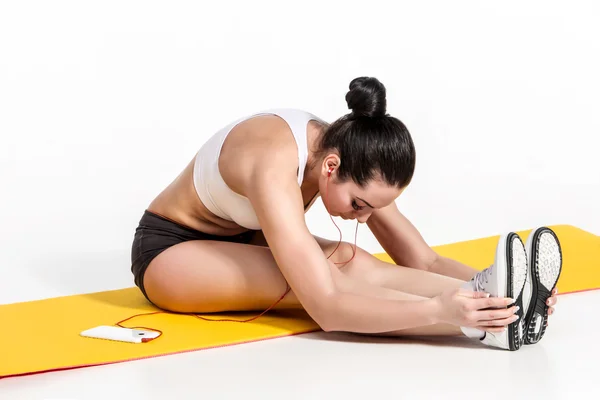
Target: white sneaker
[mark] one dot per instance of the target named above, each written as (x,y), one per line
(505,278)
(545,264)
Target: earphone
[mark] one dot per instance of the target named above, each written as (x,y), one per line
(330,171)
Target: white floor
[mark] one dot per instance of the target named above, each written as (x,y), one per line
(331,366)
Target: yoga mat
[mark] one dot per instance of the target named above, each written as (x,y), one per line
(43,335)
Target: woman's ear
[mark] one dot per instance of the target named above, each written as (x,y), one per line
(331,162)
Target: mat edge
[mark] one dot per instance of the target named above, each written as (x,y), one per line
(312,330)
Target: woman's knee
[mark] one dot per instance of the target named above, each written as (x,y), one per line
(360,264)
(348,257)
(335,251)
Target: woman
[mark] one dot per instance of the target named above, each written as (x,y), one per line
(228,234)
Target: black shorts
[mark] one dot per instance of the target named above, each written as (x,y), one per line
(156,233)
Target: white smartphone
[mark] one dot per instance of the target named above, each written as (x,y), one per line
(120,334)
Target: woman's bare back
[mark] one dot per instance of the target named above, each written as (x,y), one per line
(250,139)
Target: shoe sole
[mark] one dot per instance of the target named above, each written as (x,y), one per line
(511,253)
(545,266)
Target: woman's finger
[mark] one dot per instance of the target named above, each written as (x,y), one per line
(479,295)
(472,294)
(492,330)
(490,302)
(499,322)
(496,314)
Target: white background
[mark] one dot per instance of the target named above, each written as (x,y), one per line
(103,103)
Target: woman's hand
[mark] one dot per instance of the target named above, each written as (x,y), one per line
(551,302)
(476,310)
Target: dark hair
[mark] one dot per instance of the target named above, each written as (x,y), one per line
(370,142)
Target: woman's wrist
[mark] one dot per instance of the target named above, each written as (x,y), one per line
(435,310)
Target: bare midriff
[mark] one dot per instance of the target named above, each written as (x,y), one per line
(180,203)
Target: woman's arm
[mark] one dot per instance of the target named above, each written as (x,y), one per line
(400,239)
(455,269)
(277,201)
(405,245)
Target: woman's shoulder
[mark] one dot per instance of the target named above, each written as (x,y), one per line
(262,144)
(259,134)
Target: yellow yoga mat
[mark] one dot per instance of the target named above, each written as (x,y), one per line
(43,335)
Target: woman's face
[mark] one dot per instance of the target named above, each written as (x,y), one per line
(350,201)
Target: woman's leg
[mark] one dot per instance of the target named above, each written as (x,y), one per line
(212,276)
(367,267)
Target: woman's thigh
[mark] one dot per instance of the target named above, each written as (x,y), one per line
(216,276)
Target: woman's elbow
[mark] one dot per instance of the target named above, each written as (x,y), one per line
(325,312)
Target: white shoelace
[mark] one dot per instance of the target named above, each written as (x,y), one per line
(482,278)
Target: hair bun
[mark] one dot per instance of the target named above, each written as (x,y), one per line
(366,97)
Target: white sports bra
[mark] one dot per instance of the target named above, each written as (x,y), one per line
(214,192)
